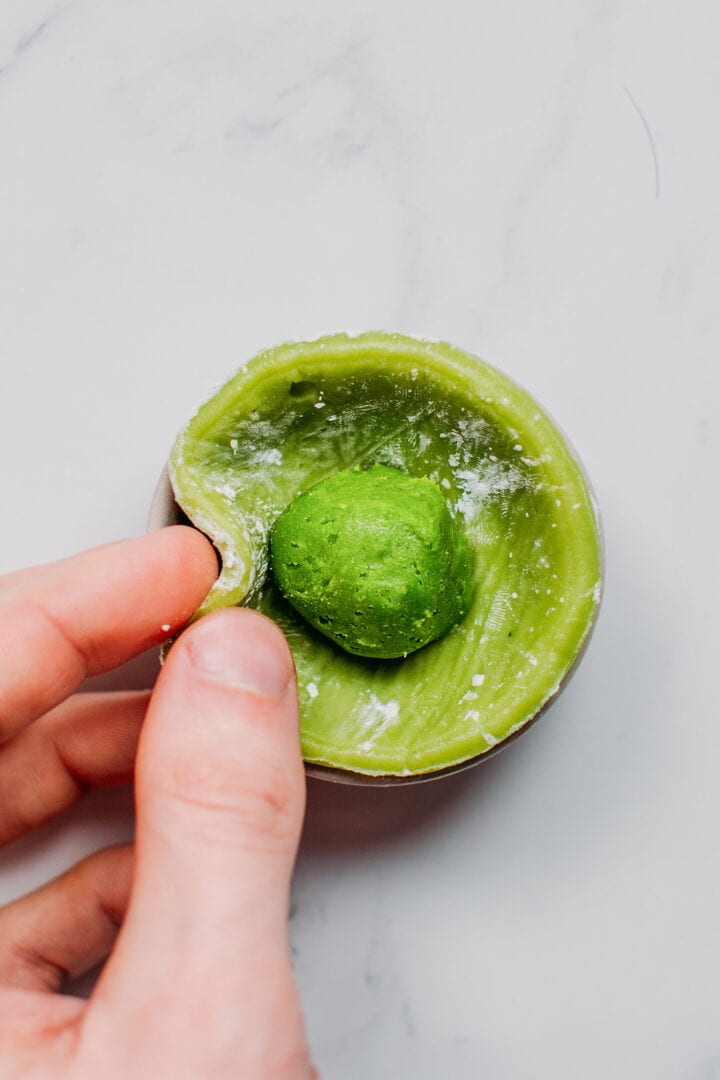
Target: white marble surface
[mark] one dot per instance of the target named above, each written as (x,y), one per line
(182,183)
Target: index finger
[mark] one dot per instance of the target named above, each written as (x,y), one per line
(62,622)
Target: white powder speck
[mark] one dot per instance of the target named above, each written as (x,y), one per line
(487,481)
(517,446)
(165,627)
(576,506)
(272,456)
(513,596)
(469,696)
(478,680)
(234,445)
(377,716)
(312,690)
(320,404)
(445,482)
(472,715)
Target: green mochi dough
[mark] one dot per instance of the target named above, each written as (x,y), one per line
(295,416)
(373,560)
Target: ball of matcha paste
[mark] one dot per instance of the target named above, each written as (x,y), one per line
(373,560)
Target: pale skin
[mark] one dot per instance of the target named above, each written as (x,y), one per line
(192,918)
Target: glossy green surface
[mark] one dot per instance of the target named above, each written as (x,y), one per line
(373,560)
(295,414)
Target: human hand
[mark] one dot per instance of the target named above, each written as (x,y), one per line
(199,982)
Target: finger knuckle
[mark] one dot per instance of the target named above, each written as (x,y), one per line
(234,800)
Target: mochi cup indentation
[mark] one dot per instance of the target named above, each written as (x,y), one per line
(515,495)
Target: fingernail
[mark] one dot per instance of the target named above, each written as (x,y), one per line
(241,649)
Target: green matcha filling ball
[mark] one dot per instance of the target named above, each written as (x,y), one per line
(373,559)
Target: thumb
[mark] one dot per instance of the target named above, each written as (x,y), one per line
(203,953)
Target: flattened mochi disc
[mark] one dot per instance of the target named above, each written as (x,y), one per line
(293,416)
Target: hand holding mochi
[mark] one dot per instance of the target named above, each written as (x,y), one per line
(373,560)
